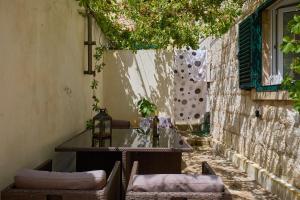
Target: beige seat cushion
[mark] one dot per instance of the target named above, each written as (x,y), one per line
(34,179)
(177,183)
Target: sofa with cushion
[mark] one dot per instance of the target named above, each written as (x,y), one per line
(44,184)
(206,186)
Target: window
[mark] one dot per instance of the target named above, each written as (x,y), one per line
(280,62)
(262,65)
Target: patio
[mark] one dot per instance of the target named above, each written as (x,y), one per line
(240,185)
(155,99)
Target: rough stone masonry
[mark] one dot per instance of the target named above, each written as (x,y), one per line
(270,143)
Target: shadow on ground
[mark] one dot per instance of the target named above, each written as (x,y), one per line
(240,186)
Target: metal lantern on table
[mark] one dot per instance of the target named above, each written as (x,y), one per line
(102,128)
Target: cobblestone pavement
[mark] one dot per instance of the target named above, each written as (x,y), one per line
(240,186)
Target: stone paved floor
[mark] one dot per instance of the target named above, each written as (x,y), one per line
(240,186)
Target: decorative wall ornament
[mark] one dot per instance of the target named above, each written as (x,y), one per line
(190,85)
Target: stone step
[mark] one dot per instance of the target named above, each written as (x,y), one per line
(195,140)
(187,127)
(199,142)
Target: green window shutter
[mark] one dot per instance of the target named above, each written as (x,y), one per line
(257,48)
(250,49)
(245,42)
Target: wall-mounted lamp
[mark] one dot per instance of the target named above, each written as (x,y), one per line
(257,113)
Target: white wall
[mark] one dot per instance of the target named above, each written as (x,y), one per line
(45,98)
(128,77)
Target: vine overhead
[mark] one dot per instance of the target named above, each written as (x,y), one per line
(140,24)
(135,24)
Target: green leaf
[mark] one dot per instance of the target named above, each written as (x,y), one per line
(146,108)
(287,39)
(89,124)
(296,28)
(288,48)
(161,23)
(297,18)
(94,84)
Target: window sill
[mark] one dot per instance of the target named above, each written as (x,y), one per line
(280,95)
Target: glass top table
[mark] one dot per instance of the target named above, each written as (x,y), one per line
(127,140)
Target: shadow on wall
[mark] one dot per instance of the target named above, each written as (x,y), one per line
(267,140)
(128,77)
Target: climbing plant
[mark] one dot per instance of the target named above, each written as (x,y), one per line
(291,45)
(137,24)
(99,65)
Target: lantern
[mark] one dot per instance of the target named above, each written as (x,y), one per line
(102,128)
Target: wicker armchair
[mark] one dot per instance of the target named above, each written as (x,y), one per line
(206,170)
(111,191)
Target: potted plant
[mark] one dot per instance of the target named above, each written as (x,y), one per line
(147,109)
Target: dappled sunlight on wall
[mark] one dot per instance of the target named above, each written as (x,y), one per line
(129,77)
(268,140)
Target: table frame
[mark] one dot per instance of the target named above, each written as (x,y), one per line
(152,160)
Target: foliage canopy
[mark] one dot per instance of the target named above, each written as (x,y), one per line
(140,24)
(135,24)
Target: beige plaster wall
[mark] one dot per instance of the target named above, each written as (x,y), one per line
(128,76)
(271,141)
(45,98)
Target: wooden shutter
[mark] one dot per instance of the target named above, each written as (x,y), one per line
(250,49)
(245,43)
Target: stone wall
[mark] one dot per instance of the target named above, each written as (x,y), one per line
(271,141)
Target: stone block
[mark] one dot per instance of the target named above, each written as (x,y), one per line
(216,59)
(267,133)
(222,117)
(252,128)
(236,141)
(290,171)
(244,126)
(235,123)
(269,96)
(296,174)
(205,43)
(241,145)
(292,142)
(277,141)
(250,149)
(288,117)
(249,106)
(269,112)
(216,44)
(259,127)
(225,55)
(226,139)
(268,180)
(258,153)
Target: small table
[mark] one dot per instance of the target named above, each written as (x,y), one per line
(155,154)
